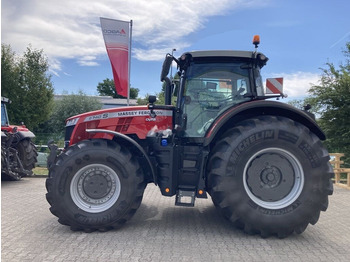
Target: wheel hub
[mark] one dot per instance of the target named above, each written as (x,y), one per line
(95,188)
(273,178)
(97,185)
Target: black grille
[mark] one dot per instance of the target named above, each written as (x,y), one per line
(68,134)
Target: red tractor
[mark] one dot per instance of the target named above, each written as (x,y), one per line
(18,153)
(262,162)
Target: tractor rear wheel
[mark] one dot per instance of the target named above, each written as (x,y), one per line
(27,153)
(270,175)
(95,185)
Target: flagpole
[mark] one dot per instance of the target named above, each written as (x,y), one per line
(128,101)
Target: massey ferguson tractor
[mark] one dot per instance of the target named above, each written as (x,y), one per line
(18,153)
(262,162)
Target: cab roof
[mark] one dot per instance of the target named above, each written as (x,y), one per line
(260,58)
(224,53)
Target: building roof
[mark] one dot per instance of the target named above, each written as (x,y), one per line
(108,101)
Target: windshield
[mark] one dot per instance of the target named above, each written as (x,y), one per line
(4,118)
(210,89)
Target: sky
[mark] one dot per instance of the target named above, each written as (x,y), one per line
(299,37)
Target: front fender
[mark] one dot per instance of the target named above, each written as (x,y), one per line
(130,140)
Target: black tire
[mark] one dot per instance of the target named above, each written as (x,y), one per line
(72,192)
(270,176)
(6,174)
(28,154)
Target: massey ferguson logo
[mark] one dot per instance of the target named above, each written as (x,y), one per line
(114,32)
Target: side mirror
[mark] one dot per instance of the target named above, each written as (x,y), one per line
(166,67)
(152,99)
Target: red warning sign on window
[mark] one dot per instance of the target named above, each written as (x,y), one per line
(274,85)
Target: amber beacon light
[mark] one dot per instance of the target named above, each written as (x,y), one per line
(256,40)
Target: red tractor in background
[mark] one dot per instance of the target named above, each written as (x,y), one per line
(262,162)
(18,153)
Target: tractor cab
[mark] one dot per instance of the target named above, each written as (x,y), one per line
(213,82)
(4,116)
(210,83)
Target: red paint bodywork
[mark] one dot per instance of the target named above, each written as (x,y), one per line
(126,120)
(10,128)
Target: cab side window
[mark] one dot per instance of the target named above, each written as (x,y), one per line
(209,90)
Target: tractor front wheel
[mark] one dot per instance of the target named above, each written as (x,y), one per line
(271,176)
(95,185)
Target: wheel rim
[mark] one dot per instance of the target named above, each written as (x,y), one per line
(273,178)
(95,188)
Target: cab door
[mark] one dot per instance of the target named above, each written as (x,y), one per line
(210,89)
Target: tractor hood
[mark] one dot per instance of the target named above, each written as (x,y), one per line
(105,113)
(135,120)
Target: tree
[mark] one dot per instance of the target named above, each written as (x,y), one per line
(332,96)
(161,95)
(107,88)
(160,99)
(301,103)
(25,81)
(68,106)
(9,73)
(134,92)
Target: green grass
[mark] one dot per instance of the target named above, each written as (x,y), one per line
(40,171)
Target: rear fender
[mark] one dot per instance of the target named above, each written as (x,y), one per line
(21,131)
(257,108)
(25,134)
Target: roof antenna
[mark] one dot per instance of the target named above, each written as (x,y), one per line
(256,42)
